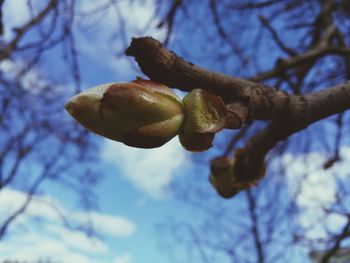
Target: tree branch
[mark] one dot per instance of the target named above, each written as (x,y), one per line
(289,113)
(309,56)
(318,105)
(164,66)
(276,37)
(1,18)
(255,227)
(332,252)
(20,32)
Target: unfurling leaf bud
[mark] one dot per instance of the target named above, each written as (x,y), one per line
(205,112)
(223,177)
(205,115)
(141,113)
(196,142)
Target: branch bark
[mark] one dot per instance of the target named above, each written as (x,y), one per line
(164,66)
(288,113)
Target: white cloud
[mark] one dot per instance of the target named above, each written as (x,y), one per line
(51,238)
(12,200)
(39,245)
(107,31)
(49,209)
(315,189)
(117,226)
(125,258)
(98,35)
(31,79)
(43,248)
(77,239)
(16,13)
(32,247)
(136,16)
(150,170)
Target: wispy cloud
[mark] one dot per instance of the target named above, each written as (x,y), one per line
(76,239)
(16,13)
(51,239)
(117,226)
(315,189)
(150,170)
(33,247)
(125,258)
(101,38)
(50,210)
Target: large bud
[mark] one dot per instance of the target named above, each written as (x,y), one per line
(141,113)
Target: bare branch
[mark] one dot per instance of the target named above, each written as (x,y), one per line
(255,227)
(275,36)
(169,18)
(318,105)
(1,18)
(222,33)
(345,233)
(164,66)
(20,32)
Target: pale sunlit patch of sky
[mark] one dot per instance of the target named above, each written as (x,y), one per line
(124,240)
(40,232)
(150,170)
(315,189)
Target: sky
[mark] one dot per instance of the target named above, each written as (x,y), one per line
(135,194)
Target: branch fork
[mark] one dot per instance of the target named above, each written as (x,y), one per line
(245,101)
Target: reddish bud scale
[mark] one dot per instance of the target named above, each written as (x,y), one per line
(142,113)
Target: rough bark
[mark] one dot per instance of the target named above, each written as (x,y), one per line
(287,113)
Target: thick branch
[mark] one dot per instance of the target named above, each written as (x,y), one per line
(289,113)
(318,105)
(328,101)
(164,66)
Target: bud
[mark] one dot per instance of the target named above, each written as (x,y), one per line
(224,179)
(141,113)
(196,142)
(222,176)
(205,112)
(205,115)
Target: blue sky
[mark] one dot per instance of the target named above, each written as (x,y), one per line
(135,193)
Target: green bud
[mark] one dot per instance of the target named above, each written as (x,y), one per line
(196,142)
(222,176)
(205,115)
(141,113)
(205,112)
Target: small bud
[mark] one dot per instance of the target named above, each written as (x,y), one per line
(205,115)
(141,113)
(205,112)
(196,142)
(244,169)
(222,176)
(224,179)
